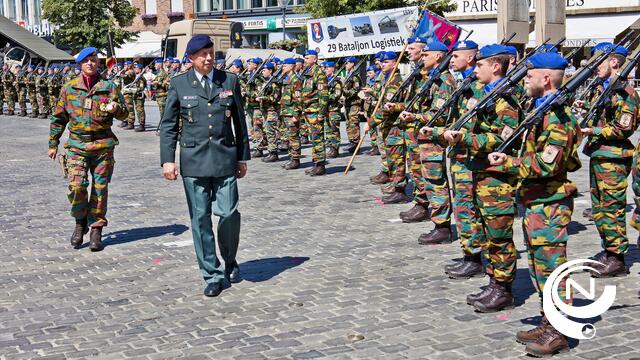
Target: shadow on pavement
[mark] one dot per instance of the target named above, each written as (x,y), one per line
(126,236)
(265,269)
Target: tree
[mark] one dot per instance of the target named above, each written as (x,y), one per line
(83,23)
(323,8)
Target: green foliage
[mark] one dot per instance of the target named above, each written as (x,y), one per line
(85,23)
(288,45)
(324,8)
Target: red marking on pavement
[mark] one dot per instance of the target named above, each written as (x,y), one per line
(503,317)
(377,200)
(157,261)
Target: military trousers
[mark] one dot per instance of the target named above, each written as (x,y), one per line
(608,178)
(130,103)
(53,101)
(353,123)
(316,129)
(257,129)
(465,211)
(395,149)
(415,168)
(635,186)
(545,234)
(10,99)
(494,195)
(162,101)
(382,148)
(217,196)
(140,112)
(332,129)
(292,135)
(42,102)
(22,100)
(33,100)
(100,165)
(271,126)
(437,190)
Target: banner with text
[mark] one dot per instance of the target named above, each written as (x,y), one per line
(362,34)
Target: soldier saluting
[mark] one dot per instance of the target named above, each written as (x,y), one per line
(88,105)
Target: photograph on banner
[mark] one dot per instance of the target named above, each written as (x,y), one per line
(434,27)
(362,34)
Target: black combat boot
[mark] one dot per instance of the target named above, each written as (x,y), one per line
(95,239)
(77,238)
(272,157)
(292,164)
(256,154)
(486,290)
(612,266)
(439,235)
(417,213)
(471,267)
(549,343)
(318,169)
(499,298)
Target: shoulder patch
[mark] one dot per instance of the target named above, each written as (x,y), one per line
(506,133)
(626,120)
(439,103)
(549,153)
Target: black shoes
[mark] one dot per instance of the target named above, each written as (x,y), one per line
(233,273)
(213,289)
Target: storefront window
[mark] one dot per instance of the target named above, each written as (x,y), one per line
(256,3)
(242,4)
(271,3)
(228,4)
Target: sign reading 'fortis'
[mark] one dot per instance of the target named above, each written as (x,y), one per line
(485,7)
(361,34)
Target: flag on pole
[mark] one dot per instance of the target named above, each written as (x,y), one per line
(434,27)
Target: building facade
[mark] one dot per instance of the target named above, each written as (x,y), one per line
(28,14)
(157,15)
(262,19)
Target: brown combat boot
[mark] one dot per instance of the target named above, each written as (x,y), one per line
(417,213)
(283,146)
(42,116)
(256,154)
(129,127)
(23,113)
(486,290)
(332,152)
(95,239)
(499,298)
(77,238)
(549,343)
(380,179)
(374,151)
(397,197)
(292,164)
(471,267)
(613,266)
(439,235)
(388,189)
(525,337)
(272,157)
(318,169)
(352,147)
(10,112)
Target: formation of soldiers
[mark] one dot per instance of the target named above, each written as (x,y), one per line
(35,84)
(476,130)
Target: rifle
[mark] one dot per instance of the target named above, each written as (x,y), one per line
(505,86)
(129,86)
(266,85)
(561,96)
(229,66)
(350,74)
(332,83)
(614,85)
(252,77)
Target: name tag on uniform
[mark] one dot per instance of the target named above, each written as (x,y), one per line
(87,104)
(189,97)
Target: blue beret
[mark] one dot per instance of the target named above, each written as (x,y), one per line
(157,61)
(411,40)
(128,62)
(621,50)
(255,60)
(436,46)
(289,61)
(85,52)
(310,52)
(18,66)
(372,68)
(269,65)
(465,45)
(388,55)
(67,64)
(276,61)
(168,59)
(300,60)
(421,40)
(511,50)
(50,67)
(175,61)
(198,42)
(323,64)
(491,50)
(603,46)
(31,66)
(330,64)
(379,54)
(139,66)
(40,68)
(118,64)
(548,48)
(219,61)
(351,59)
(237,63)
(547,60)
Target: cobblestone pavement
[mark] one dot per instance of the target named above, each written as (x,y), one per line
(328,271)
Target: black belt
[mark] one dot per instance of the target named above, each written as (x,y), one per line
(91,137)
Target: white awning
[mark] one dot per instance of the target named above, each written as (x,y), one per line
(147,45)
(580,28)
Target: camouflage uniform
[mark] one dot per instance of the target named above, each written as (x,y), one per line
(332,121)
(54,83)
(1,92)
(138,101)
(353,106)
(90,145)
(127,78)
(254,113)
(635,186)
(381,134)
(70,75)
(494,192)
(41,94)
(291,111)
(368,108)
(20,85)
(162,86)
(550,152)
(8,79)
(428,165)
(611,154)
(269,107)
(315,102)
(31,90)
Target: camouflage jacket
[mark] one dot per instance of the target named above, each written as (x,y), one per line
(291,99)
(614,125)
(41,83)
(20,81)
(367,99)
(85,113)
(315,91)
(8,78)
(126,80)
(550,152)
(351,89)
(269,97)
(31,81)
(163,79)
(382,117)
(492,127)
(252,89)
(54,84)
(70,75)
(140,85)
(335,94)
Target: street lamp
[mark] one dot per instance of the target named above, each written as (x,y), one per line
(283,4)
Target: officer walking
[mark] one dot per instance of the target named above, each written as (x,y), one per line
(87,105)
(214,148)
